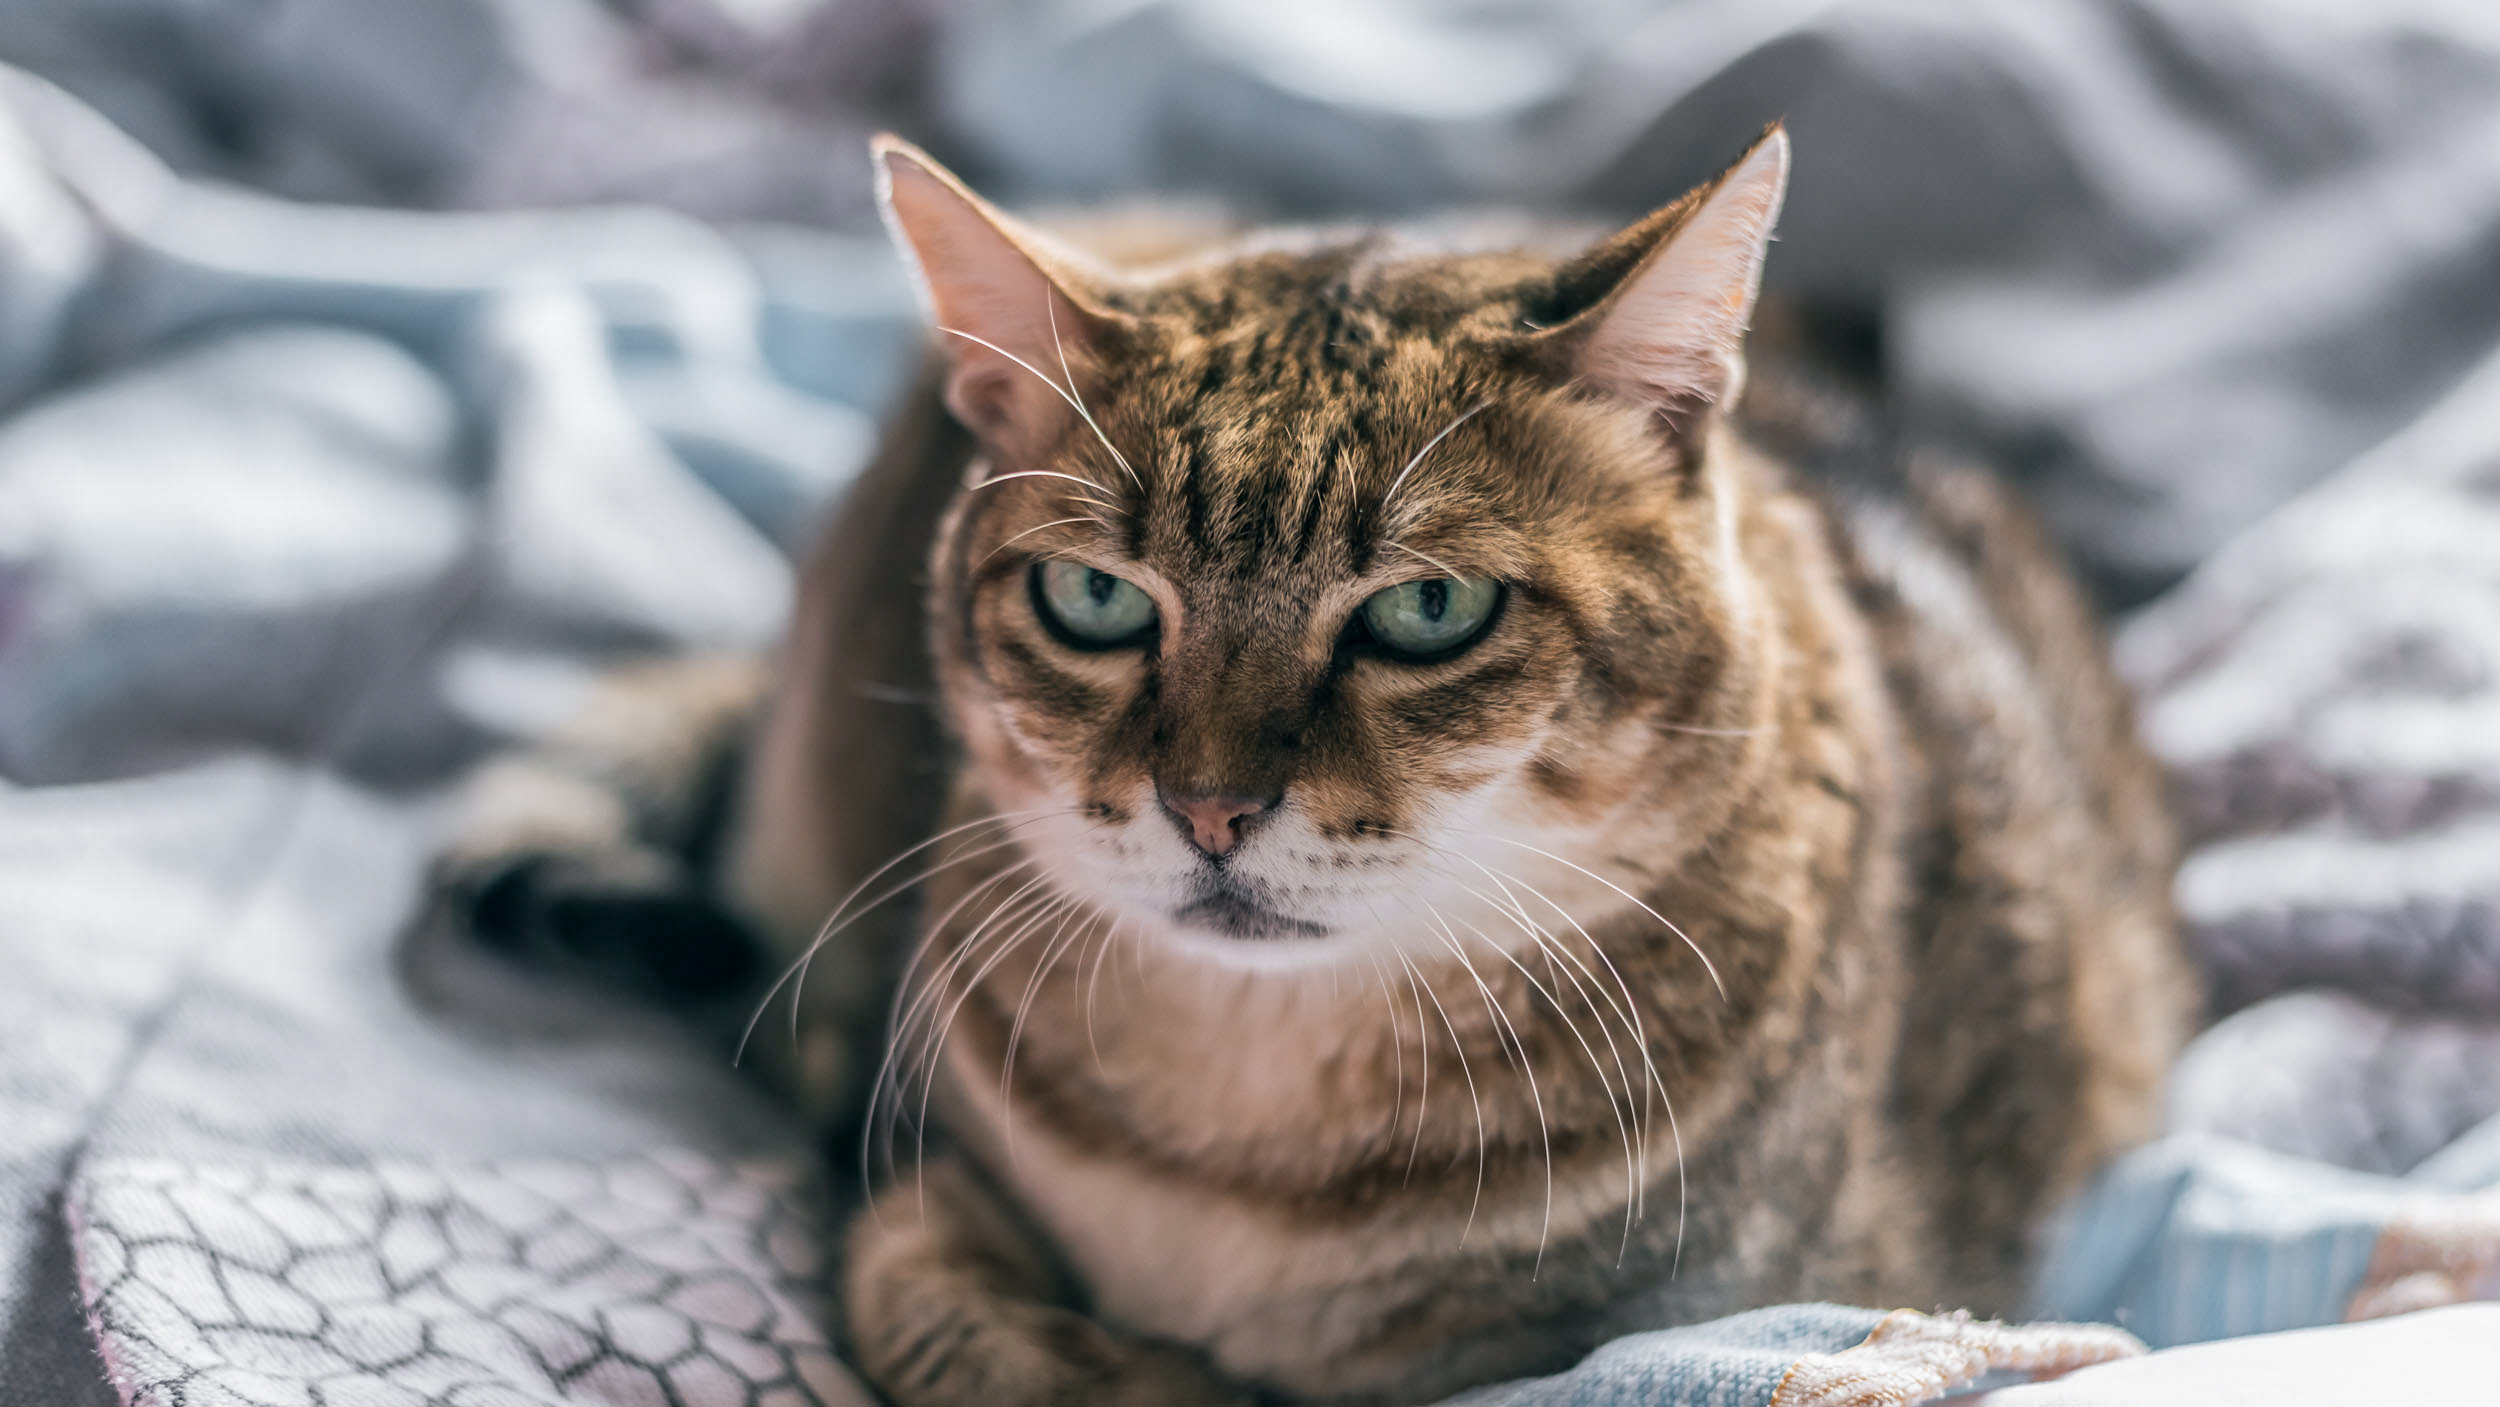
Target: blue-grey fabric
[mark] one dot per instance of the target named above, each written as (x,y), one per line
(317,504)
(304,505)
(2194,1239)
(1733,1362)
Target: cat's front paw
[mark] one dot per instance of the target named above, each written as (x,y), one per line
(1019,1354)
(620,918)
(951,1302)
(545,866)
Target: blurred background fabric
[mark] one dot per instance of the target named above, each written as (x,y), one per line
(373,370)
(2169,260)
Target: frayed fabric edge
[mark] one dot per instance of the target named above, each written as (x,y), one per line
(1912,1357)
(2431,1257)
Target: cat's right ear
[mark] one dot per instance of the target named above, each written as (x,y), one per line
(1015,313)
(1657,314)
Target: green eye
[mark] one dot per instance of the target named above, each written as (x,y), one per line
(1091,610)
(1423,619)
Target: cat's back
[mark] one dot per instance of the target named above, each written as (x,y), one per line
(2046,990)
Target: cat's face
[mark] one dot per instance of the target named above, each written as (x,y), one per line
(1358,594)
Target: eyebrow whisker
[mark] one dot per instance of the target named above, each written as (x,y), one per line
(1061,391)
(1049,474)
(1451,571)
(1050,309)
(1429,446)
(1037,527)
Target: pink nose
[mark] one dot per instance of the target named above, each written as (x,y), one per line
(1214,822)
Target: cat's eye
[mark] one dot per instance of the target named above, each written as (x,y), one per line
(1089,609)
(1424,620)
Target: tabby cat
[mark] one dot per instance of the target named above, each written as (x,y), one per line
(1429,826)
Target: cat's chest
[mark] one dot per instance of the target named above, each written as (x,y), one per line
(1161,1253)
(1265,1285)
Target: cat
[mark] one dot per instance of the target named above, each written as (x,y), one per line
(1445,826)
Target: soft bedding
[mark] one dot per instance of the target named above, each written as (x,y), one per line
(304,505)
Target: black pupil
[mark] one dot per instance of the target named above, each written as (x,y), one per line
(1434,598)
(1100,585)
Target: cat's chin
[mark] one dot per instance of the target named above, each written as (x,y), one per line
(1212,953)
(1237,918)
(1242,936)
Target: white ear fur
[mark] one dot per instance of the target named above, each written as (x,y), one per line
(1671,335)
(1010,332)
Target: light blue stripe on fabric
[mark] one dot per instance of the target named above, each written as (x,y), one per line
(2185,1241)
(2194,1239)
(1733,1362)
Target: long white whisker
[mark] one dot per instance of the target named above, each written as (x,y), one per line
(1050,310)
(1064,393)
(1626,1010)
(1559,964)
(1706,964)
(997,915)
(1051,474)
(936,1048)
(1638,1172)
(1423,1041)
(1467,1073)
(1655,1081)
(1429,445)
(1066,911)
(797,969)
(1622,1129)
(899,887)
(1397,1045)
(927,1062)
(1423,1060)
(996,919)
(1093,985)
(1423,1046)
(899,1042)
(900,1022)
(1061,938)
(1056,948)
(1037,527)
(1527,1069)
(892,1069)
(1444,566)
(916,1035)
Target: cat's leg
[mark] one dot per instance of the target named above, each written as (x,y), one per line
(952,1302)
(592,850)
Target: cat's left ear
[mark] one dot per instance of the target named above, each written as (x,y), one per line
(1675,293)
(1019,316)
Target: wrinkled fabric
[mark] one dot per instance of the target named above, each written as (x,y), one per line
(304,506)
(2191,1240)
(300,509)
(670,1277)
(2168,261)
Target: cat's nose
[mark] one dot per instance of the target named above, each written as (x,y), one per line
(1212,823)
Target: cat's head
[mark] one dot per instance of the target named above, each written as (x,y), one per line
(1340,587)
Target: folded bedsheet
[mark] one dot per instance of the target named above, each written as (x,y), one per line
(302,507)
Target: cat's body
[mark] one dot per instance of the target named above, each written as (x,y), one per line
(1768,902)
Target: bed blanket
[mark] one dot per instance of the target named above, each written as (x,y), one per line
(304,506)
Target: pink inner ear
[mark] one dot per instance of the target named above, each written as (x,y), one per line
(1672,336)
(980,398)
(1008,330)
